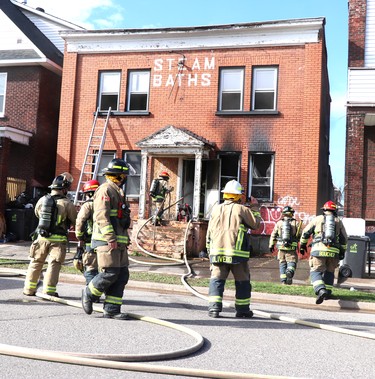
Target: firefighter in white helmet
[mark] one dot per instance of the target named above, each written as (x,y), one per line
(228,245)
(110,239)
(85,259)
(329,240)
(285,236)
(56,214)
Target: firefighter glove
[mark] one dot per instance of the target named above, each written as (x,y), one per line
(302,249)
(342,254)
(272,249)
(77,259)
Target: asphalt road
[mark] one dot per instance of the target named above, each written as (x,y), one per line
(260,346)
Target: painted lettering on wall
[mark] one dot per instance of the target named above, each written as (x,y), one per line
(270,215)
(176,71)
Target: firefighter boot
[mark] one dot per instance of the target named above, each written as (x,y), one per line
(116,316)
(86,302)
(321,296)
(245,314)
(289,277)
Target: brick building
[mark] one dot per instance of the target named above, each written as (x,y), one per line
(31,58)
(208,104)
(360,129)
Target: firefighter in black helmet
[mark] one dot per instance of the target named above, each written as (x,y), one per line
(56,214)
(159,190)
(285,236)
(329,241)
(110,239)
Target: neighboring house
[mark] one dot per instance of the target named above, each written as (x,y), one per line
(208,104)
(360,128)
(31,60)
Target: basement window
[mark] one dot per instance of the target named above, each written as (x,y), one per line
(109,89)
(261,173)
(138,90)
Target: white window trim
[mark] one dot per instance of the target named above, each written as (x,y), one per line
(137,152)
(255,90)
(102,74)
(5,76)
(222,71)
(130,92)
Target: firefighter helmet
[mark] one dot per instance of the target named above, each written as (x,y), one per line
(164,175)
(233,187)
(90,186)
(116,166)
(288,209)
(330,206)
(62,181)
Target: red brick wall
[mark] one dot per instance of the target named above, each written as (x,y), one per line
(32,104)
(357,28)
(294,134)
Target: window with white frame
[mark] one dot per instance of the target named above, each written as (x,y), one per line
(231,89)
(3,85)
(109,90)
(264,93)
(261,167)
(138,91)
(133,183)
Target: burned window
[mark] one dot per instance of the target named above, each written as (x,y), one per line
(261,175)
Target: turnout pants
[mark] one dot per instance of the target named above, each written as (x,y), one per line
(40,250)
(112,277)
(287,262)
(219,274)
(322,273)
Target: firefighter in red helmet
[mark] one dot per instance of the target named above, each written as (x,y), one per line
(85,259)
(328,247)
(159,190)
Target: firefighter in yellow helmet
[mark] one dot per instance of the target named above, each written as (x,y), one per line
(110,239)
(329,240)
(56,214)
(85,259)
(228,245)
(286,235)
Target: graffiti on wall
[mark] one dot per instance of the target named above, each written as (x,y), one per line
(270,215)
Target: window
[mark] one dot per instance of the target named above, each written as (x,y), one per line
(231,89)
(3,84)
(133,158)
(109,89)
(107,156)
(138,91)
(229,168)
(264,89)
(261,176)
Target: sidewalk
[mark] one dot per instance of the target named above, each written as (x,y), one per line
(263,269)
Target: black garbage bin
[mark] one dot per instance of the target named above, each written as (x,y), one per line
(354,263)
(21,222)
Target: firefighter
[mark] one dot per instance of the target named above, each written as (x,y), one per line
(286,235)
(110,239)
(159,190)
(328,247)
(228,246)
(85,259)
(56,213)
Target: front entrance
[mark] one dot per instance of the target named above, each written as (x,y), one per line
(210,185)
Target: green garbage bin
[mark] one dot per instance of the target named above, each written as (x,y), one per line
(354,263)
(21,222)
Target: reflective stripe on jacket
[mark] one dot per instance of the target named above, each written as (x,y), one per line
(227,238)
